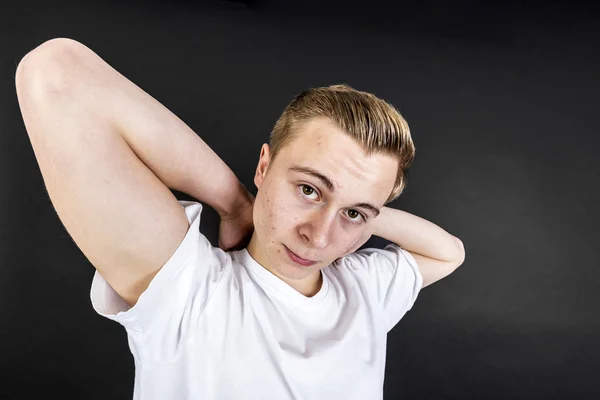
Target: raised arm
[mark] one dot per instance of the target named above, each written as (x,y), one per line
(437,252)
(108,153)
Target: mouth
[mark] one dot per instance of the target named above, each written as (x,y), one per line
(299,260)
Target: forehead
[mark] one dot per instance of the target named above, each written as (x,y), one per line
(323,147)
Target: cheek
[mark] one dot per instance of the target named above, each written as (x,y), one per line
(352,240)
(262,213)
(275,213)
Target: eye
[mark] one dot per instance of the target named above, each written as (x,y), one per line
(356,216)
(307,191)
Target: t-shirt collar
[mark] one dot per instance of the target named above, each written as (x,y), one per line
(281,288)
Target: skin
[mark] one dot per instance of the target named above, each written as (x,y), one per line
(297,210)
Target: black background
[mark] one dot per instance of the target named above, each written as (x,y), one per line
(502,100)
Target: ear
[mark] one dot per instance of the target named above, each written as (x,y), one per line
(263,165)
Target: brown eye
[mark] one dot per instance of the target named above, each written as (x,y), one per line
(356,217)
(308,191)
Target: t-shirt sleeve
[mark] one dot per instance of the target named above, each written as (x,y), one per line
(175,298)
(394,279)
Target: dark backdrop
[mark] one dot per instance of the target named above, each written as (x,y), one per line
(502,100)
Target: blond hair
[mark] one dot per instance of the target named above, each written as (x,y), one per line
(371,121)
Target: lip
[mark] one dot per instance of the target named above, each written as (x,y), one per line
(299,260)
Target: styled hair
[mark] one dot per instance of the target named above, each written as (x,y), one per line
(372,122)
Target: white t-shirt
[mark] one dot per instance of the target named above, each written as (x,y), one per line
(217,325)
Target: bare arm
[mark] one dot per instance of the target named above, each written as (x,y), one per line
(437,252)
(109,153)
(163,142)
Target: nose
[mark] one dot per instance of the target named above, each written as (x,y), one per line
(319,229)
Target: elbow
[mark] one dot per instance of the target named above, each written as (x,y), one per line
(49,69)
(460,258)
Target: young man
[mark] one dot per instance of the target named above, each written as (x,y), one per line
(285,307)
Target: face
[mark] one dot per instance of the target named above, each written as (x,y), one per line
(318,199)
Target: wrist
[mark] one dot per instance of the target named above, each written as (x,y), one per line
(380,219)
(236,204)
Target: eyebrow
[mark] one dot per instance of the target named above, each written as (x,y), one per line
(329,185)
